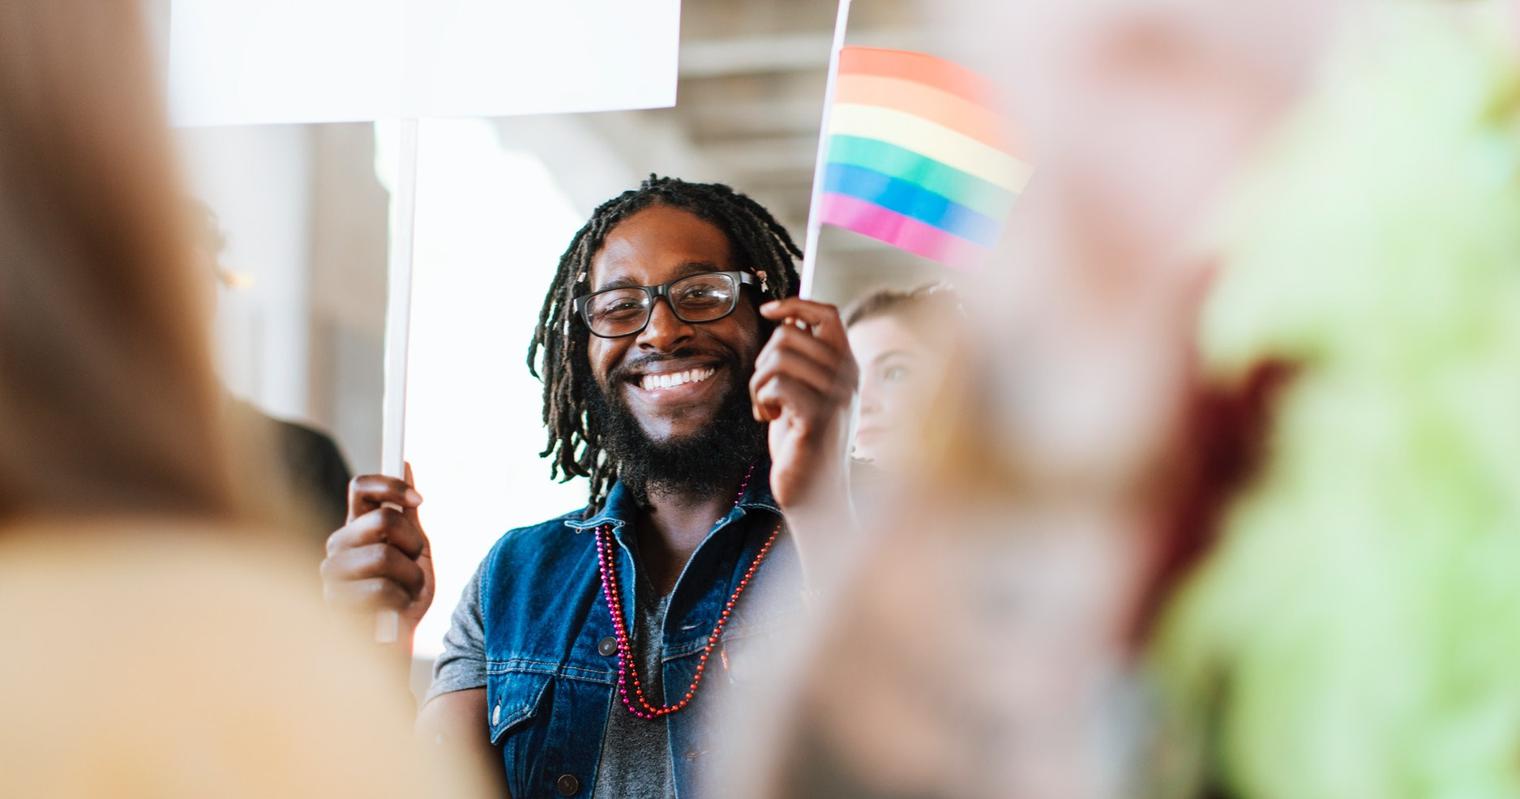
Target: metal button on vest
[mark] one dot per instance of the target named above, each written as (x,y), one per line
(567,785)
(607,646)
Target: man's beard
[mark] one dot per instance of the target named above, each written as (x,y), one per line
(710,460)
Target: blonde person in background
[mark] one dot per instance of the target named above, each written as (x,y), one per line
(903,341)
(156,642)
(906,342)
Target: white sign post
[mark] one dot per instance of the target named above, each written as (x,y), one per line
(820,166)
(249,62)
(252,62)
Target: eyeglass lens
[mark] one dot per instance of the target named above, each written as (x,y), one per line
(699,298)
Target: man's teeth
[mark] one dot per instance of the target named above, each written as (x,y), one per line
(673,379)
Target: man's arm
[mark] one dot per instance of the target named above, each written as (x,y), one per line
(452,727)
(381,559)
(804,386)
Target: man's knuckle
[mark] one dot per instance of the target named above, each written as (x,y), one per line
(407,536)
(377,559)
(403,566)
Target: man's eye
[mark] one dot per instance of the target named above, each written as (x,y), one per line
(700,296)
(620,309)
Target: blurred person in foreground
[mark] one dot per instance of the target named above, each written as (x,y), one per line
(310,465)
(709,408)
(1357,619)
(903,341)
(158,642)
(991,641)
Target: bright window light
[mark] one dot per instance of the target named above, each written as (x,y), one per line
(491,224)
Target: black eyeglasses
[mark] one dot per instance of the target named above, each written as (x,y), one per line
(624,311)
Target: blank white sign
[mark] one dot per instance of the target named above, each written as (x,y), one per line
(244,62)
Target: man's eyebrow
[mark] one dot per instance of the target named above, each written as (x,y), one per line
(617,283)
(696,267)
(684,270)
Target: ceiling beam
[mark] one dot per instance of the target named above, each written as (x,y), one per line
(791,52)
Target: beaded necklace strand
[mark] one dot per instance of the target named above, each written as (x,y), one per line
(636,702)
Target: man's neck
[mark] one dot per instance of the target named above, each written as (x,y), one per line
(672,526)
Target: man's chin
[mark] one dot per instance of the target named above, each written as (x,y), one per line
(688,447)
(664,435)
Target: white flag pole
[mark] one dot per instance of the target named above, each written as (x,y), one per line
(398,322)
(820,167)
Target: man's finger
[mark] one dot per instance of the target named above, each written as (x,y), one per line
(821,318)
(783,392)
(411,510)
(777,361)
(824,352)
(370,491)
(380,526)
(361,530)
(375,560)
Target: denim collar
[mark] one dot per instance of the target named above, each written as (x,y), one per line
(620,507)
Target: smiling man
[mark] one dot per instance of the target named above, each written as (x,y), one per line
(708,408)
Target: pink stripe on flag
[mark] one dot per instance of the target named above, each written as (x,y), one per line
(882,224)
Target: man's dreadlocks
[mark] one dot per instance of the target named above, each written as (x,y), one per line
(760,245)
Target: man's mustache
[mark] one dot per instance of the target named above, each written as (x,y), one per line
(639,364)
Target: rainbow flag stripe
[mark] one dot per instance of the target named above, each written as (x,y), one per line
(917,157)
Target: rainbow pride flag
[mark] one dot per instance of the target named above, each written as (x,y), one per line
(917,156)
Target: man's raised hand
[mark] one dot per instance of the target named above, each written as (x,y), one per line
(380,560)
(804,385)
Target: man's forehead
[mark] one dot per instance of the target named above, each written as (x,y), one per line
(659,244)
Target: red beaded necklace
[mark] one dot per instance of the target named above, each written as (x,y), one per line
(637,704)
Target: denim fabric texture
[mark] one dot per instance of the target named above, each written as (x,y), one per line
(550,688)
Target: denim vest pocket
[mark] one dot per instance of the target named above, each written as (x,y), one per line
(517,706)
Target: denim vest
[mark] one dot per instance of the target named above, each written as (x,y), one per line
(551,667)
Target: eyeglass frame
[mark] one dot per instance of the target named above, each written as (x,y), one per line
(655,293)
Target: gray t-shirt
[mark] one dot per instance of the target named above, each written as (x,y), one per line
(636,754)
(462,666)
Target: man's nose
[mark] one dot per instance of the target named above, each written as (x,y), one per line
(665,331)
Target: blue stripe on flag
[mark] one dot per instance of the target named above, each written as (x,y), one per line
(913,201)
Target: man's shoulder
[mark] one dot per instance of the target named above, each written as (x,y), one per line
(544,538)
(526,559)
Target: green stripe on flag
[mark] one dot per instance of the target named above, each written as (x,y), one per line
(946,181)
